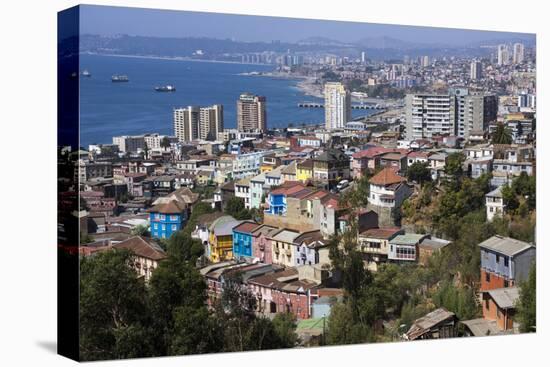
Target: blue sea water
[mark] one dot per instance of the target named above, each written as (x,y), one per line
(109,109)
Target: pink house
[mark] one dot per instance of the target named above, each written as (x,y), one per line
(261,244)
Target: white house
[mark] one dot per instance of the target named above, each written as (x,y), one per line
(388,189)
(494,203)
(242,191)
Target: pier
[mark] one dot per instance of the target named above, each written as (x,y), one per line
(353,106)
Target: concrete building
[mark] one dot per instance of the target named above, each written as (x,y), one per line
(503,55)
(428,115)
(337,105)
(251,113)
(198,123)
(476,70)
(518,54)
(128,143)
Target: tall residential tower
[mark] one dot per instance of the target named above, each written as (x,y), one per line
(198,123)
(337,105)
(251,113)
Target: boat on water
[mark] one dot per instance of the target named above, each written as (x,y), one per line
(166,88)
(86,73)
(119,78)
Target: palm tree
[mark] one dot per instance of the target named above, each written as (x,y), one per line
(165,143)
(502,135)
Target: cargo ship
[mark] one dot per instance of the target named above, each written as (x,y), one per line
(166,88)
(119,78)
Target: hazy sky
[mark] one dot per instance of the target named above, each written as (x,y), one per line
(165,23)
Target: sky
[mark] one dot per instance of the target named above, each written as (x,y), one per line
(108,21)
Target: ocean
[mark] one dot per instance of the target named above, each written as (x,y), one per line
(110,109)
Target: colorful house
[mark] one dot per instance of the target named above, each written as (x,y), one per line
(242,239)
(499,305)
(504,262)
(167,218)
(261,244)
(220,244)
(304,170)
(282,247)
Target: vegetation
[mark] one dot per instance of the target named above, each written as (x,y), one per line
(501,135)
(121,316)
(419,172)
(235,208)
(141,230)
(527,305)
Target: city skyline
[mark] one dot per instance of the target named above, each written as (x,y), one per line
(111,21)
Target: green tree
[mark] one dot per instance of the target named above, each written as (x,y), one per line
(234,206)
(195,331)
(419,172)
(176,286)
(527,304)
(454,170)
(165,143)
(285,328)
(113,307)
(343,329)
(501,135)
(509,197)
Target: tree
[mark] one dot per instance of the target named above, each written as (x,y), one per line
(195,331)
(285,329)
(419,172)
(165,143)
(113,307)
(501,135)
(176,285)
(235,208)
(454,171)
(509,197)
(527,304)
(342,328)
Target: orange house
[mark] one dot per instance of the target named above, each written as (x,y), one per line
(500,305)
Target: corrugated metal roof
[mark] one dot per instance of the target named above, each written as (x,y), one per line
(505,245)
(505,297)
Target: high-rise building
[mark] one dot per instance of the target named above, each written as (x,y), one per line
(251,113)
(475,70)
(363,57)
(518,55)
(425,61)
(337,105)
(457,113)
(503,55)
(195,122)
(428,115)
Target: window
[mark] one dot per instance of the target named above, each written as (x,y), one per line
(498,258)
(506,262)
(174,227)
(506,284)
(487,277)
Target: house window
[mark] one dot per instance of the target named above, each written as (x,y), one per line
(498,258)
(506,262)
(174,227)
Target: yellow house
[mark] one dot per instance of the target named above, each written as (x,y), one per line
(220,239)
(304,170)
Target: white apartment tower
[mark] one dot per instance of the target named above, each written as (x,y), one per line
(503,55)
(428,115)
(198,123)
(337,105)
(518,55)
(251,113)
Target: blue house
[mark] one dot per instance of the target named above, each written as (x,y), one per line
(167,218)
(277,198)
(242,239)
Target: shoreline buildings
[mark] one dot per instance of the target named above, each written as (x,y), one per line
(251,113)
(198,123)
(337,105)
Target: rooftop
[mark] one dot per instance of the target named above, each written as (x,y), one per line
(382,233)
(387,176)
(246,227)
(425,323)
(505,245)
(407,239)
(505,297)
(142,247)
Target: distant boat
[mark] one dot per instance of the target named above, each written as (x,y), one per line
(119,78)
(166,88)
(86,73)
